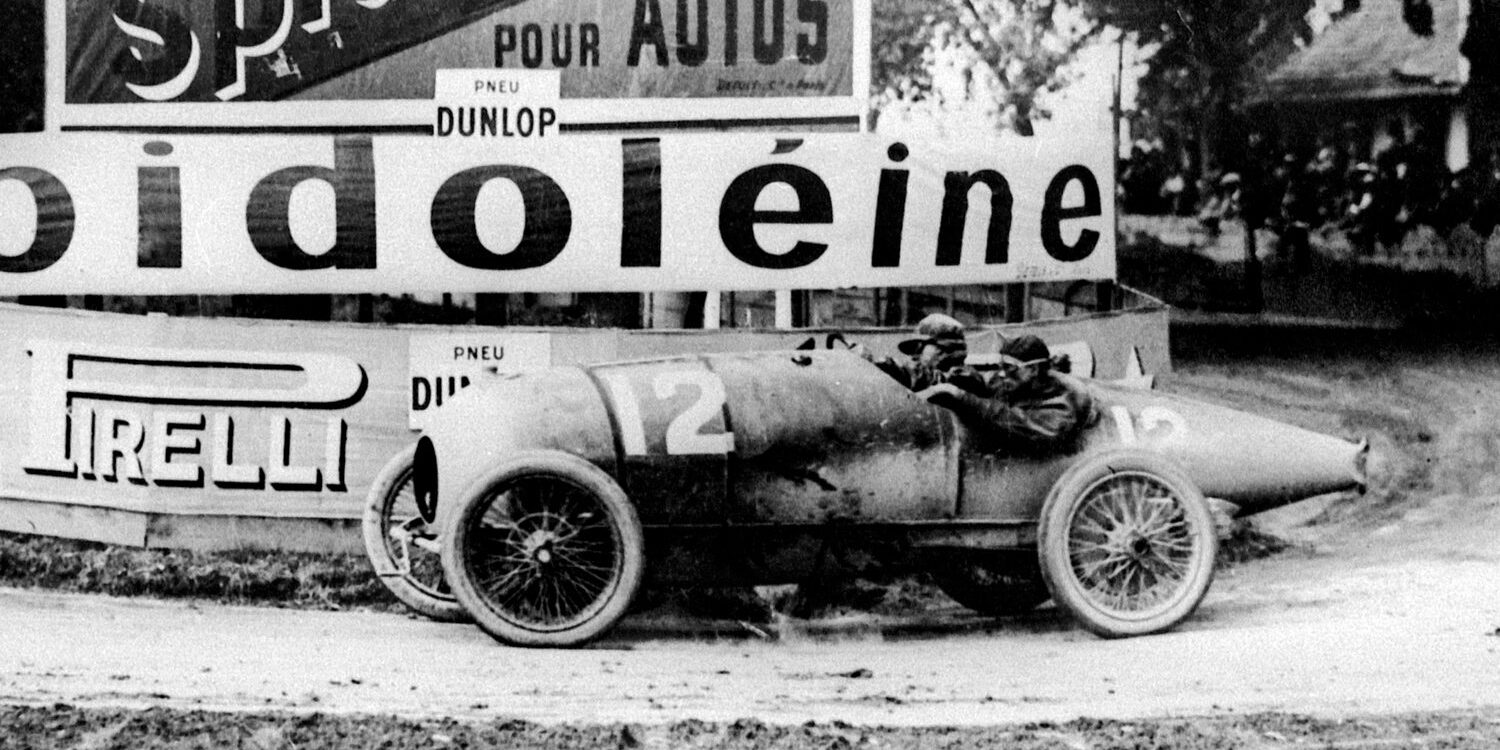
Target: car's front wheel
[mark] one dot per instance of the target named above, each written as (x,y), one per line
(544,550)
(402,545)
(1127,543)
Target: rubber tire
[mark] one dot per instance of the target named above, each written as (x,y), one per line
(622,515)
(988,582)
(376,524)
(1053,533)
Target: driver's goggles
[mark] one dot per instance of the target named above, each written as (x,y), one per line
(1012,366)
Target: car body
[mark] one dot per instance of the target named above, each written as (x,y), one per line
(747,466)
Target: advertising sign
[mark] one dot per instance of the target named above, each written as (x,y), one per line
(497,104)
(193,417)
(186,417)
(442,364)
(107,214)
(374,62)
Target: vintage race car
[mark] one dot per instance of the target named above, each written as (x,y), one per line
(548,496)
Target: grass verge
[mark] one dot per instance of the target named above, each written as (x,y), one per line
(308,580)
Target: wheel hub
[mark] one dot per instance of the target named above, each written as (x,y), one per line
(538,546)
(1130,543)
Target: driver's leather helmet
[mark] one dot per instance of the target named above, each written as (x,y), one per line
(937,328)
(1023,360)
(1027,348)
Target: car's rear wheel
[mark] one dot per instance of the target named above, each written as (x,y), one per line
(402,545)
(544,550)
(1127,543)
(991,583)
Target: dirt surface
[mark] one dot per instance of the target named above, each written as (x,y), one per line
(63,726)
(1380,625)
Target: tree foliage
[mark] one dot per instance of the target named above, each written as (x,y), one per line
(1004,52)
(1209,56)
(1207,53)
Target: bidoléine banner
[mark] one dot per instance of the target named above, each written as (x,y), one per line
(116,214)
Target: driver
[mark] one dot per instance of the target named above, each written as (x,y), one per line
(935,355)
(1025,407)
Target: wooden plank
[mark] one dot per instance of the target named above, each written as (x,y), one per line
(108,525)
(222,533)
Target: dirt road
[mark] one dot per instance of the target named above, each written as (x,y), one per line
(1342,631)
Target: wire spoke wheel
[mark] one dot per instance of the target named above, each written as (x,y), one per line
(1127,543)
(412,544)
(545,551)
(402,547)
(1131,545)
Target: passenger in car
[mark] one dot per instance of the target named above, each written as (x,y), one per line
(1024,407)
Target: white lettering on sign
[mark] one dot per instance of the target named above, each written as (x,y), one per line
(242,53)
(157,35)
(107,425)
(177,84)
(323,22)
(684,434)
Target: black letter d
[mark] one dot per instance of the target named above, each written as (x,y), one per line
(353,182)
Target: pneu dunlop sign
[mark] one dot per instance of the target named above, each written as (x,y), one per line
(442,364)
(497,103)
(112,415)
(210,214)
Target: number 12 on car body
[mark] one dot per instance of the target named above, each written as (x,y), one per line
(684,434)
(1158,424)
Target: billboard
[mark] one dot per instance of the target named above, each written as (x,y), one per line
(310,64)
(115,214)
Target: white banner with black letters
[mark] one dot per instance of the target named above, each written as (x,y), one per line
(116,214)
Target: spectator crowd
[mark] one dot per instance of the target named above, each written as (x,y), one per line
(1375,191)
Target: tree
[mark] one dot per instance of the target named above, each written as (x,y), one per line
(1209,54)
(1004,52)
